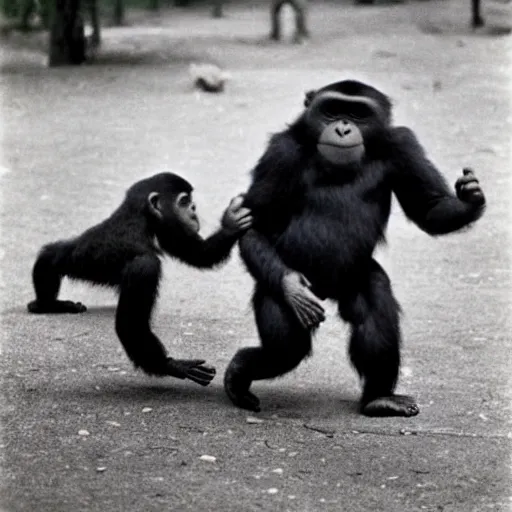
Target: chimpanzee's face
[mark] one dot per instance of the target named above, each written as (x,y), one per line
(339,122)
(185,211)
(175,213)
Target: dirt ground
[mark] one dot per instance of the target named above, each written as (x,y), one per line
(81,430)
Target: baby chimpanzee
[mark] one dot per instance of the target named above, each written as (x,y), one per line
(158,216)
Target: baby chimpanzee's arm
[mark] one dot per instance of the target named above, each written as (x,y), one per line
(214,250)
(137,294)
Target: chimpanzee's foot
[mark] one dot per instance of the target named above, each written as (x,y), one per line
(394,405)
(237,389)
(56,306)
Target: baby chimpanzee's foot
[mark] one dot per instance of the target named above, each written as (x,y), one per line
(56,306)
(394,405)
(237,389)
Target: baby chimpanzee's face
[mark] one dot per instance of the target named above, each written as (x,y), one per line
(185,211)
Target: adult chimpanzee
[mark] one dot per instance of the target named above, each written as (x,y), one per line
(158,216)
(321,198)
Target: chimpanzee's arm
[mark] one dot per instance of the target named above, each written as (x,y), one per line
(262,261)
(273,276)
(137,295)
(206,253)
(191,248)
(276,180)
(277,186)
(423,193)
(212,251)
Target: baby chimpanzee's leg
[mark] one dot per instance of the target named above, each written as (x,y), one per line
(47,275)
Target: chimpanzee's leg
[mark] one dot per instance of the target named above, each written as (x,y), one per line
(47,274)
(375,345)
(284,344)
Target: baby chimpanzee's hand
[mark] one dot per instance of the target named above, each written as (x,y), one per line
(468,188)
(236,218)
(193,369)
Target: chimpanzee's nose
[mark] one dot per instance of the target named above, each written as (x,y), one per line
(343,129)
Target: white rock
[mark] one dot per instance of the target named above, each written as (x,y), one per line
(252,419)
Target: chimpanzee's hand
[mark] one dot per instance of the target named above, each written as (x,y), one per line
(304,303)
(236,218)
(468,188)
(193,369)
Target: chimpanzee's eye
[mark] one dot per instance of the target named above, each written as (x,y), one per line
(339,109)
(333,109)
(360,111)
(184,200)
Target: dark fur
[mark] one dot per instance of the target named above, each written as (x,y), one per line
(121,252)
(326,223)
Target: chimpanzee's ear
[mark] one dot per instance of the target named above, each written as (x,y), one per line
(154,204)
(308,98)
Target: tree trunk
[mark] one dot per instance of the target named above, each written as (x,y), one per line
(300,8)
(476,16)
(217,9)
(67,37)
(118,12)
